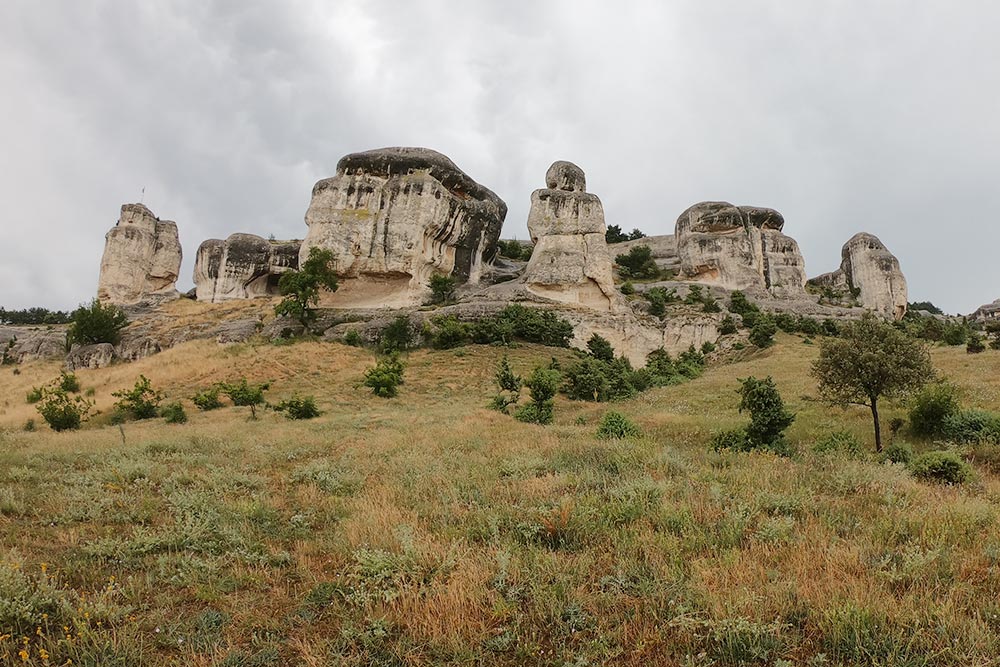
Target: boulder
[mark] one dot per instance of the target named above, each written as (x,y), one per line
(32,345)
(237,331)
(99,355)
(988,312)
(739,247)
(244,266)
(142,258)
(394,217)
(570,262)
(138,347)
(869,274)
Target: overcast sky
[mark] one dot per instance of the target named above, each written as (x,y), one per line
(846,116)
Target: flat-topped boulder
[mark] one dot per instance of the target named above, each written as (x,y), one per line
(244,266)
(142,258)
(570,262)
(869,274)
(394,217)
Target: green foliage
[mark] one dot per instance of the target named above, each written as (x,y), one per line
(638,263)
(29,426)
(975,344)
(97,323)
(207,399)
(442,288)
(69,383)
(727,326)
(399,336)
(710,305)
(899,452)
(870,361)
(587,380)
(245,394)
(510,387)
(785,322)
(733,439)
(931,406)
(739,304)
(33,316)
(971,426)
(517,322)
(925,306)
(173,413)
(763,330)
(301,288)
(614,234)
(353,338)
(615,425)
(941,466)
(658,298)
(694,295)
(447,331)
(385,376)
(840,442)
(61,411)
(830,327)
(542,384)
(298,407)
(140,402)
(34,395)
(768,416)
(600,348)
(707,347)
(627,288)
(514,250)
(955,333)
(809,326)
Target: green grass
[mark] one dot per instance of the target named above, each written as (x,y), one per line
(429,530)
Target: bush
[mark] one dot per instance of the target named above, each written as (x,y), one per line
(353,338)
(840,442)
(734,439)
(768,416)
(627,288)
(298,408)
(728,326)
(694,295)
(763,330)
(638,263)
(207,399)
(510,387)
(710,305)
(29,426)
(398,336)
(658,298)
(34,395)
(809,326)
(931,407)
(61,411)
(442,288)
(97,323)
(514,250)
(517,322)
(971,426)
(173,413)
(244,394)
(955,333)
(445,332)
(301,288)
(617,425)
(975,344)
(542,386)
(941,466)
(708,347)
(830,327)
(600,348)
(899,452)
(786,322)
(140,402)
(385,377)
(739,304)
(69,383)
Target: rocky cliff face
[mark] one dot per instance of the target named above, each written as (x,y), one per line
(570,262)
(987,312)
(739,247)
(142,258)
(663,249)
(868,273)
(393,217)
(244,266)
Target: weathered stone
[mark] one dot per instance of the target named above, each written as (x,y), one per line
(869,273)
(142,258)
(570,262)
(663,249)
(987,312)
(393,217)
(32,345)
(282,327)
(244,266)
(237,331)
(135,348)
(739,247)
(99,355)
(567,176)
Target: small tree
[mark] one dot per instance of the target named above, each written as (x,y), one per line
(763,330)
(510,387)
(600,348)
(542,385)
(975,343)
(768,416)
(140,402)
(97,323)
(871,360)
(301,288)
(638,263)
(385,376)
(298,408)
(614,234)
(244,394)
(442,288)
(61,411)
(398,335)
(727,326)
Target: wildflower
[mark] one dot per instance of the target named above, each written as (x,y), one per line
(43,654)
(45,568)
(23,654)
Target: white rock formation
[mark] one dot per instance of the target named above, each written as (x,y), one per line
(987,312)
(739,247)
(142,258)
(244,266)
(570,262)
(394,217)
(869,273)
(663,249)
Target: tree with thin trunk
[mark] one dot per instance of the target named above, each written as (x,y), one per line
(870,361)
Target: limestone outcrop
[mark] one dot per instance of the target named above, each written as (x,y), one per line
(869,274)
(663,249)
(393,217)
(142,258)
(987,312)
(244,266)
(570,262)
(99,355)
(739,247)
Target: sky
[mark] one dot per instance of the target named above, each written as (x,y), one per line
(844,115)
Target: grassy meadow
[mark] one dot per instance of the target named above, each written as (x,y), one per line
(429,530)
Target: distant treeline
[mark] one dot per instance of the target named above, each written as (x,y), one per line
(34,316)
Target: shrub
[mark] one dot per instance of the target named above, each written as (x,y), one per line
(298,408)
(975,344)
(627,288)
(61,411)
(955,333)
(694,295)
(173,413)
(140,402)
(658,298)
(398,336)
(517,322)
(617,425)
(728,326)
(207,399)
(785,322)
(301,288)
(510,387)
(445,332)
(971,426)
(514,250)
(385,376)
(941,466)
(638,263)
(353,338)
(931,406)
(34,395)
(763,330)
(739,304)
(809,326)
(29,425)
(97,323)
(690,363)
(442,288)
(710,305)
(707,347)
(830,327)
(244,394)
(600,348)
(768,416)
(840,442)
(899,452)
(69,383)
(734,439)
(542,386)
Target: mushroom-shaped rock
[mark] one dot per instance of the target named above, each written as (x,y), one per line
(570,262)
(142,258)
(869,273)
(393,217)
(244,266)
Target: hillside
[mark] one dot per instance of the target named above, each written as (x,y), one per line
(429,530)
